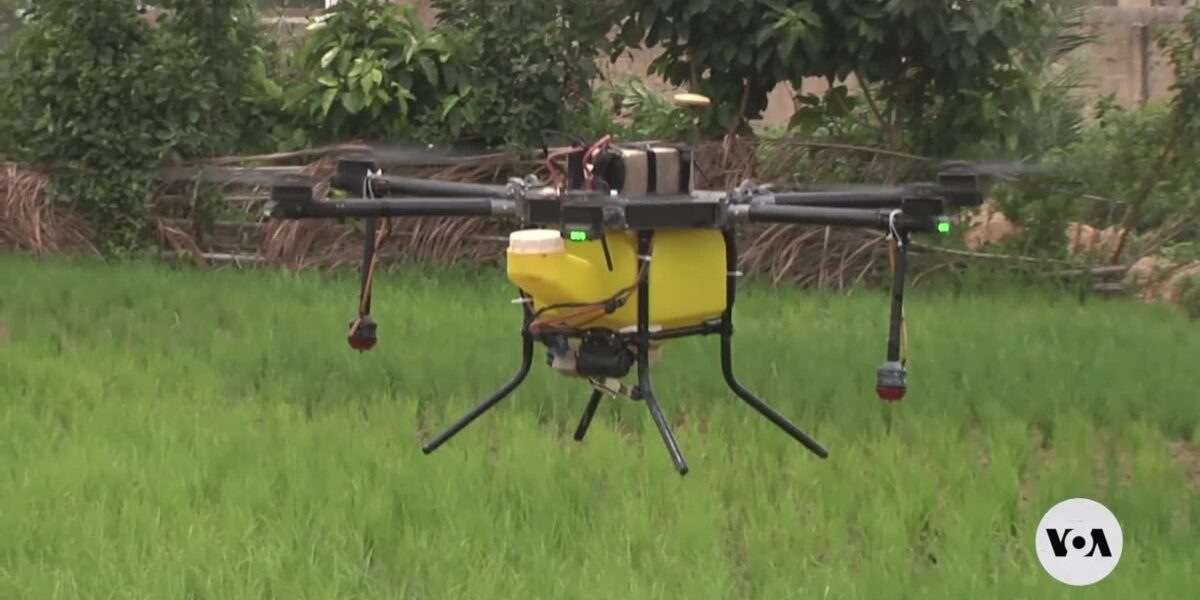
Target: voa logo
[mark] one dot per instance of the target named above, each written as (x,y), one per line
(1079,542)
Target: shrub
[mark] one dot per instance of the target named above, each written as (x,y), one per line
(373,70)
(213,61)
(630,110)
(939,73)
(100,98)
(1134,168)
(78,90)
(533,61)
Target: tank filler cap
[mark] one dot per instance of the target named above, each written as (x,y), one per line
(535,241)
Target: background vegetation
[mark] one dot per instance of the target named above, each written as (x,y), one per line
(102,99)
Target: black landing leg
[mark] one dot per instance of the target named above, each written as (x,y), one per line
(500,394)
(771,414)
(588,413)
(643,367)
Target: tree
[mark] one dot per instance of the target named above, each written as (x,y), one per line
(927,65)
(533,61)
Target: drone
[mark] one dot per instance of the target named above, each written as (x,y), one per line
(618,254)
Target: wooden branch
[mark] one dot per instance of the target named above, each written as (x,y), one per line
(1107,271)
(219,257)
(883,123)
(985,255)
(333,149)
(1168,234)
(1150,183)
(851,147)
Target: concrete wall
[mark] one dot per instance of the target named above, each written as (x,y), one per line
(1126,60)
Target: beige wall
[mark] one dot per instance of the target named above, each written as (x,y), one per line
(1126,60)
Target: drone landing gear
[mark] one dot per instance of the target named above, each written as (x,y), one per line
(588,413)
(497,396)
(731,261)
(644,391)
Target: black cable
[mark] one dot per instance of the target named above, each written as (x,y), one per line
(610,304)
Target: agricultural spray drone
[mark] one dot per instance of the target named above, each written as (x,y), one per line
(618,255)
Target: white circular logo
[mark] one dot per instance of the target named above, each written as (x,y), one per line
(1079,541)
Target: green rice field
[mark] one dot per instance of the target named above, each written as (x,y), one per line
(184,434)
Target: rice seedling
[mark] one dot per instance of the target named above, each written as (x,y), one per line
(185,434)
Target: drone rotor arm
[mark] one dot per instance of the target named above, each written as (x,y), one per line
(407,207)
(405,186)
(877,198)
(883,220)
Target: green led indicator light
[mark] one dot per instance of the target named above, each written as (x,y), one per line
(578,236)
(944,227)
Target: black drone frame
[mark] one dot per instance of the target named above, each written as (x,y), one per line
(899,211)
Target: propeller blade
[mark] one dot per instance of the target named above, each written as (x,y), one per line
(994,169)
(412,154)
(259,176)
(389,155)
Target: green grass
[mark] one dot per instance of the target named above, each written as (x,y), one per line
(180,434)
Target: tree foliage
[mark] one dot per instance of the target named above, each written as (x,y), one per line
(932,66)
(1183,49)
(100,98)
(373,70)
(81,105)
(215,61)
(1137,169)
(533,61)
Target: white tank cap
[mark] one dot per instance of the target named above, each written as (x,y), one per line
(535,241)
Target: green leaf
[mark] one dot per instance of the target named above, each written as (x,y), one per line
(410,51)
(402,102)
(788,44)
(328,57)
(429,68)
(272,89)
(352,101)
(449,104)
(926,25)
(327,100)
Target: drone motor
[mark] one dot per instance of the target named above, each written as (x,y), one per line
(602,353)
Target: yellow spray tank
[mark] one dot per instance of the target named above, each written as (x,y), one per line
(687,275)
